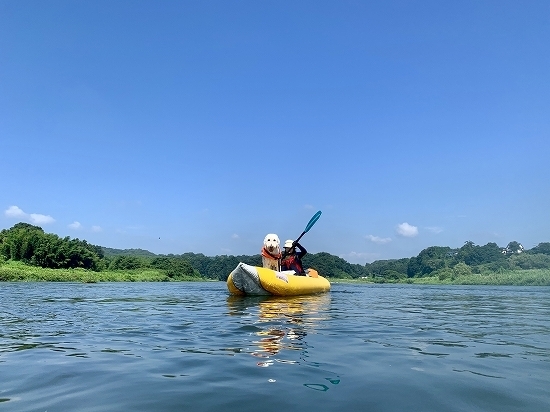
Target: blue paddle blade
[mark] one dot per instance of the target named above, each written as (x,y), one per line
(312,221)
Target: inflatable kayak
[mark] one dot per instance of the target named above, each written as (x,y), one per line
(253,280)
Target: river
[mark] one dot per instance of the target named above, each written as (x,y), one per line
(191,346)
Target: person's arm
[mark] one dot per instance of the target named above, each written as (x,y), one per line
(302,252)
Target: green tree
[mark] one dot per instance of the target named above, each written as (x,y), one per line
(175,267)
(333,266)
(472,254)
(126,263)
(429,260)
(530,261)
(393,275)
(461,269)
(381,268)
(219,267)
(543,248)
(514,247)
(31,245)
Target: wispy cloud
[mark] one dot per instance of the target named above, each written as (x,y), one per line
(377,239)
(406,230)
(234,236)
(75,225)
(360,257)
(135,227)
(96,229)
(36,218)
(309,207)
(434,229)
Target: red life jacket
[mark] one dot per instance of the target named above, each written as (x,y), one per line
(292,263)
(266,253)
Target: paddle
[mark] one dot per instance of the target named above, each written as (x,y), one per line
(312,221)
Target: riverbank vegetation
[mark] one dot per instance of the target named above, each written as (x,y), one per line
(18,271)
(27,253)
(522,277)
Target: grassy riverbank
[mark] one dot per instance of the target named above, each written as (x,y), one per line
(527,277)
(20,272)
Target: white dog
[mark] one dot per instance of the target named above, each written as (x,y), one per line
(271,252)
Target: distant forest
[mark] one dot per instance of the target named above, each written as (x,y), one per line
(31,245)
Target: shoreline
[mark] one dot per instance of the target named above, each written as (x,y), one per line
(20,272)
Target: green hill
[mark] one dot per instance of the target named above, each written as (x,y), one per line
(110,252)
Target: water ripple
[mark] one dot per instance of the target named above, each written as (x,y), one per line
(191,346)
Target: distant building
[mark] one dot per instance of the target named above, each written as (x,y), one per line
(451,253)
(507,251)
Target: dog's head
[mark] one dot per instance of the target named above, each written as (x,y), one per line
(272,243)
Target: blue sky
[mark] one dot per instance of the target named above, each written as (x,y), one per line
(201,126)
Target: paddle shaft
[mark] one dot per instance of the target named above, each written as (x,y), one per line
(310,224)
(299,237)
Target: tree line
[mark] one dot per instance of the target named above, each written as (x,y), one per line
(445,262)
(31,245)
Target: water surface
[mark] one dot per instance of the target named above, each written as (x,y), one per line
(191,346)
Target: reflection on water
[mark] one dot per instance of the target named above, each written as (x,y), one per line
(282,322)
(283,325)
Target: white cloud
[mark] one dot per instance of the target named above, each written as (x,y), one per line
(406,230)
(96,229)
(75,225)
(36,218)
(434,229)
(379,240)
(234,236)
(309,207)
(14,211)
(39,219)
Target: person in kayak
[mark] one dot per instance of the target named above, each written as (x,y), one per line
(291,258)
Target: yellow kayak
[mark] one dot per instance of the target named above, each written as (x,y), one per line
(254,280)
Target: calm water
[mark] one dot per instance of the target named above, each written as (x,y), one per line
(189,346)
